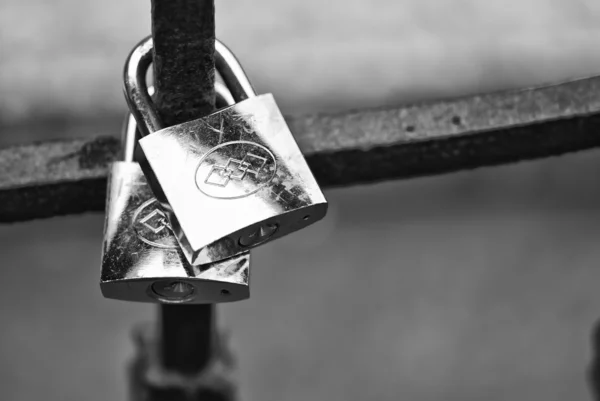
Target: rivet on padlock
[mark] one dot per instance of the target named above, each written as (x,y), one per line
(229,181)
(141,259)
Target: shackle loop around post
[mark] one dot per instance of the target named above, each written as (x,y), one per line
(232,73)
(136,91)
(130,134)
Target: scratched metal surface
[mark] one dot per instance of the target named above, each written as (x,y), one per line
(484,282)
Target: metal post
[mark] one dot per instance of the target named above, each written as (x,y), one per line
(183,32)
(185,360)
(186,337)
(593,373)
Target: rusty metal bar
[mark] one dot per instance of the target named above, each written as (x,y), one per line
(593,372)
(187,337)
(67,177)
(183,33)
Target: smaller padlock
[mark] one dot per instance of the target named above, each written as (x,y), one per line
(229,181)
(141,259)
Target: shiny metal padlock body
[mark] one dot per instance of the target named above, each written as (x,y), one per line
(230,181)
(141,259)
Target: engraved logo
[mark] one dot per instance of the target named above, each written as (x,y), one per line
(235,169)
(152,227)
(160,221)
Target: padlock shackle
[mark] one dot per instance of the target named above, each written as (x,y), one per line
(130,135)
(232,73)
(136,91)
(129,139)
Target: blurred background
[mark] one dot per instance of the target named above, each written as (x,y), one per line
(470,286)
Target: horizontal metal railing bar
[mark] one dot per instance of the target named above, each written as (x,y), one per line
(69,176)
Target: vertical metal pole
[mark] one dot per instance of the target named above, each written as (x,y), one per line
(187,337)
(593,374)
(183,32)
(184,41)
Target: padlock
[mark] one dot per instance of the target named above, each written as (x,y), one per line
(141,259)
(229,181)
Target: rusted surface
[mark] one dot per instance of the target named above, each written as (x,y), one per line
(366,146)
(150,383)
(55,178)
(183,32)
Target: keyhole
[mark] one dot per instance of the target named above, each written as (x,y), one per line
(173,291)
(259,234)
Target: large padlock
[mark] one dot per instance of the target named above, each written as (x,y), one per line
(229,181)
(141,259)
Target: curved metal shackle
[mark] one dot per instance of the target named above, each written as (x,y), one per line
(130,132)
(136,91)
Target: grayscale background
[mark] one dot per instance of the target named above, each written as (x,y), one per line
(479,285)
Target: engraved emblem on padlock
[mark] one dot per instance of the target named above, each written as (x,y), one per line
(141,259)
(229,181)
